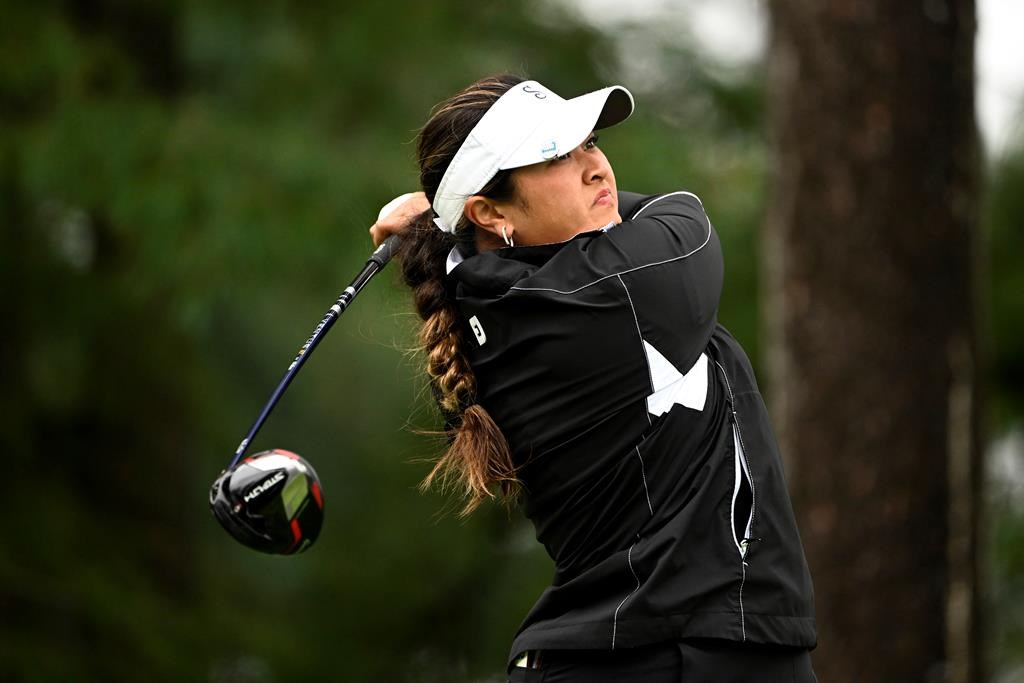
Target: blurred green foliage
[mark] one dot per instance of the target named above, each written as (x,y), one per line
(1004,336)
(185,186)
(1004,292)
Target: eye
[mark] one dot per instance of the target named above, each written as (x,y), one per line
(591,143)
(563,157)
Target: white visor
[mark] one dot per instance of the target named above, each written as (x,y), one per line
(526,125)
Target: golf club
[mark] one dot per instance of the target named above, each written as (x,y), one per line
(272,501)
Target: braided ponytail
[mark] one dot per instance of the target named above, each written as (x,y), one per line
(478,456)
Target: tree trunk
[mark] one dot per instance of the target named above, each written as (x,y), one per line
(869,272)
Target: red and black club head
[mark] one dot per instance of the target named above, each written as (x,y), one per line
(271,501)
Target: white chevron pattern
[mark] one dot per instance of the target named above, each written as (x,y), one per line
(672,387)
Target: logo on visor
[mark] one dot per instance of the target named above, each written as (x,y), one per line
(539,94)
(550,151)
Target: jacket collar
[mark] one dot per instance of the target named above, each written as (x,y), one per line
(492,273)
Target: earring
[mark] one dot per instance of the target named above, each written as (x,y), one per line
(508,240)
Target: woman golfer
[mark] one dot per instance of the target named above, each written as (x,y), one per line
(571,338)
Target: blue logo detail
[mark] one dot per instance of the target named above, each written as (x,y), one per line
(551,151)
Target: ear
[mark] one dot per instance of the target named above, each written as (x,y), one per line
(485,213)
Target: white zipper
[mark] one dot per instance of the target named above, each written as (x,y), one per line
(741,472)
(741,469)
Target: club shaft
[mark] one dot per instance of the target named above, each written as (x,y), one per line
(377,261)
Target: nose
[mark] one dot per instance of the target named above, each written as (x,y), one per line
(595,166)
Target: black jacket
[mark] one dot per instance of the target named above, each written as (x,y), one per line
(651,472)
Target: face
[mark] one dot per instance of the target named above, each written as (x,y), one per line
(558,199)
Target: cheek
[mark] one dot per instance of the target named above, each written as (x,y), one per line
(552,204)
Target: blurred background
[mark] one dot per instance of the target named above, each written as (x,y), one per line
(186,186)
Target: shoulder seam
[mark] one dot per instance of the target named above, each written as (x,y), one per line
(707,238)
(670,194)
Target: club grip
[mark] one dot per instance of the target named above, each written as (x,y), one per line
(385,251)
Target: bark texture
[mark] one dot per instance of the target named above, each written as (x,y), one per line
(869,273)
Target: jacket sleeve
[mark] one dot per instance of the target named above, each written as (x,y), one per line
(661,226)
(667,256)
(630,202)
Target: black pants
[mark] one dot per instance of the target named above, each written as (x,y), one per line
(690,661)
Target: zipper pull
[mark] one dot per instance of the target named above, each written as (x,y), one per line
(747,543)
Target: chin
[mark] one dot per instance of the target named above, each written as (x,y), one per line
(610,215)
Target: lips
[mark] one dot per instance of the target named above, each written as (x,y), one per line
(603,197)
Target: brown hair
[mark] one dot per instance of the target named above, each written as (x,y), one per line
(478,456)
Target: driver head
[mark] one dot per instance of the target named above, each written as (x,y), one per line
(271,502)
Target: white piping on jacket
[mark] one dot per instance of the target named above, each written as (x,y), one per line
(615,617)
(738,436)
(628,270)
